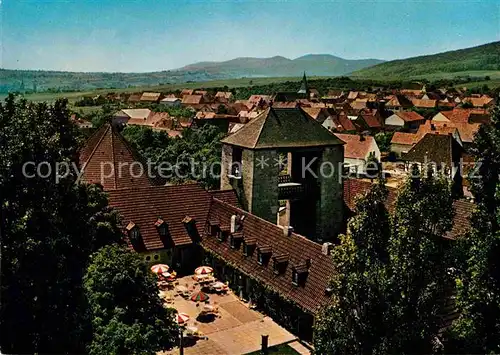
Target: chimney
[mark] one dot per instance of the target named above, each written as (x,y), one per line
(287,231)
(326,248)
(234,219)
(361,137)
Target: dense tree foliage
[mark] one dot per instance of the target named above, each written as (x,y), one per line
(388,291)
(194,157)
(48,230)
(127,314)
(478,276)
(50,225)
(354,322)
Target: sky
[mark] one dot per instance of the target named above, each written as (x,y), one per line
(152,35)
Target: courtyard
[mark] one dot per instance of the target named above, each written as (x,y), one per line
(233,329)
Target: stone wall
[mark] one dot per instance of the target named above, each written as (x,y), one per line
(264,198)
(330,206)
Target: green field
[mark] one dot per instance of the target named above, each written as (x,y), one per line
(231,83)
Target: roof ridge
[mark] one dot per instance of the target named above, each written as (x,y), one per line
(99,141)
(113,157)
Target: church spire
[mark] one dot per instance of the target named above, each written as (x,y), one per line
(304,89)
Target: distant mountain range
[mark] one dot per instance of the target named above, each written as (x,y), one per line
(481,58)
(475,61)
(312,64)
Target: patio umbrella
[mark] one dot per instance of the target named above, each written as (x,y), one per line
(160,268)
(203,270)
(166,274)
(199,297)
(182,318)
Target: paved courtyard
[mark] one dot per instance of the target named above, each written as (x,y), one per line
(237,329)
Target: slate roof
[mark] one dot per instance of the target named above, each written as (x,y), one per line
(143,206)
(311,295)
(435,148)
(356,147)
(105,150)
(282,128)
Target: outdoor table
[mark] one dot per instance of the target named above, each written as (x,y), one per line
(208,308)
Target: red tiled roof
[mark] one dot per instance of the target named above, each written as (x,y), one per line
(461,115)
(143,207)
(186,92)
(371,120)
(355,147)
(192,99)
(409,116)
(404,138)
(106,153)
(463,208)
(152,120)
(424,103)
(346,123)
(311,295)
(150,96)
(227,196)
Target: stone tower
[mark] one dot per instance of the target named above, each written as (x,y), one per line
(285,157)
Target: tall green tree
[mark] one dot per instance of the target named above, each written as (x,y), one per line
(478,281)
(353,323)
(419,261)
(48,229)
(127,314)
(391,276)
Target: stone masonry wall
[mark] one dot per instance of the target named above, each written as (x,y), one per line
(329,208)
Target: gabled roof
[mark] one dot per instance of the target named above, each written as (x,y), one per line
(106,153)
(138,113)
(409,116)
(435,148)
(311,295)
(145,205)
(357,146)
(404,138)
(192,99)
(282,128)
(150,96)
(461,115)
(399,101)
(423,103)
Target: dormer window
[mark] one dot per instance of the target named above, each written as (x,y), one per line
(133,232)
(300,272)
(263,254)
(222,233)
(213,227)
(248,246)
(190,225)
(235,240)
(280,263)
(162,228)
